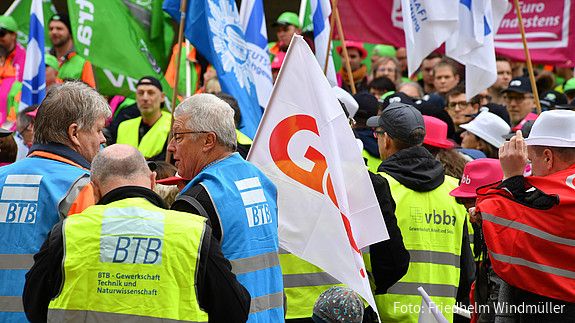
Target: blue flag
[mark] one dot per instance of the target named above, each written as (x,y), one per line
(34,83)
(253,22)
(213,27)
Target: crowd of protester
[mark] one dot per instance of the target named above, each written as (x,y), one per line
(476,193)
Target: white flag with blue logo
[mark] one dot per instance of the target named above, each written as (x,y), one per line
(253,21)
(34,81)
(321,10)
(472,44)
(427,24)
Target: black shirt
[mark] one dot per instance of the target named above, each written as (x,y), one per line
(219,293)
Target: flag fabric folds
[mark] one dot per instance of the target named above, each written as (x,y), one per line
(427,25)
(429,312)
(213,27)
(472,44)
(327,208)
(20,11)
(34,82)
(253,22)
(321,10)
(124,41)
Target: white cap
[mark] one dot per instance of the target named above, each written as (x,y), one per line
(489,127)
(347,99)
(555,128)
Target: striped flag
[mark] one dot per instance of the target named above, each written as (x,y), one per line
(253,21)
(34,83)
(321,10)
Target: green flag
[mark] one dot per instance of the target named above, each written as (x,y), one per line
(123,39)
(20,11)
(307,25)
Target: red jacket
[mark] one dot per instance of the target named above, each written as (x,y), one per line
(533,249)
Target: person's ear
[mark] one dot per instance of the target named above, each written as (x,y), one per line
(210,141)
(548,158)
(96,191)
(73,131)
(153,176)
(457,77)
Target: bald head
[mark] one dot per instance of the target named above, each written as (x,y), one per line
(120,165)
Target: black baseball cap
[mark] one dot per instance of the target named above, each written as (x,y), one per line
(519,85)
(552,99)
(400,120)
(368,106)
(63,18)
(150,80)
(397,97)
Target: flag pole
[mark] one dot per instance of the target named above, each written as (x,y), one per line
(331,26)
(183,7)
(335,12)
(528,58)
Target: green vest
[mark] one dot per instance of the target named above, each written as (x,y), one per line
(72,68)
(243,139)
(432,227)
(303,283)
(130,261)
(153,141)
(372,162)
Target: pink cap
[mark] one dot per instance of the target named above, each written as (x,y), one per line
(353,44)
(436,133)
(278,60)
(477,173)
(32,113)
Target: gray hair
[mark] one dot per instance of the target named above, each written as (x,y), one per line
(413,84)
(206,112)
(71,102)
(119,162)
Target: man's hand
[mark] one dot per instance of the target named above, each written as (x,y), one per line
(513,156)
(474,216)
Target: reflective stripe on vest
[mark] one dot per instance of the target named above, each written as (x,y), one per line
(30,194)
(93,316)
(152,142)
(372,162)
(16,261)
(431,224)
(243,139)
(266,302)
(303,283)
(245,202)
(136,251)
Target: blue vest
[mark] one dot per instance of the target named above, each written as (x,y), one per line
(30,194)
(245,200)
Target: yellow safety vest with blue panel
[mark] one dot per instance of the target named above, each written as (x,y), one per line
(432,227)
(303,283)
(130,261)
(245,201)
(152,142)
(372,162)
(34,195)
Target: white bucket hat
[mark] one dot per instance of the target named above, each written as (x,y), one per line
(489,127)
(555,128)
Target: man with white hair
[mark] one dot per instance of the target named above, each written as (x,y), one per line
(527,221)
(49,184)
(238,199)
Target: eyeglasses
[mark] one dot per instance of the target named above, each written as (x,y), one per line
(461,104)
(376,133)
(179,136)
(517,98)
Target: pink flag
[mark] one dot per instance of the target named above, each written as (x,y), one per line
(549,25)
(327,208)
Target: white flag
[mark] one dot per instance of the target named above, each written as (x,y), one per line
(321,10)
(327,208)
(472,44)
(427,24)
(429,312)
